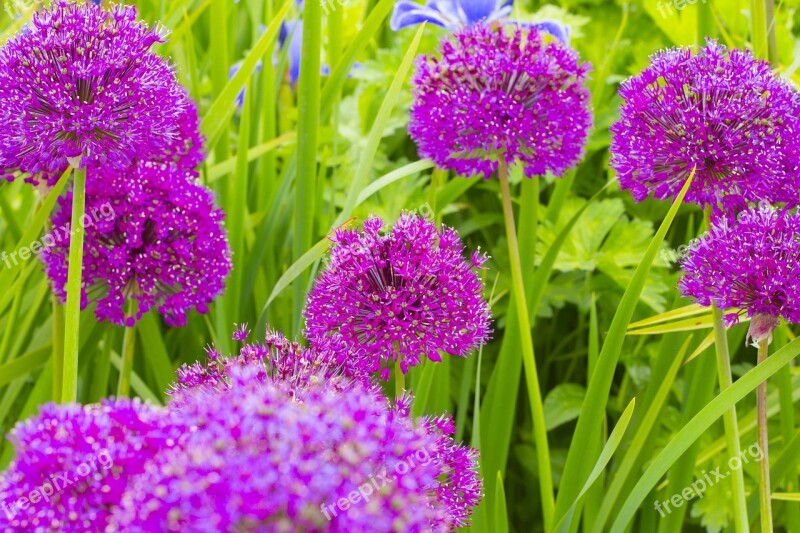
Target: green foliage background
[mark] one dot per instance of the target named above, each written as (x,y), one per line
(286,178)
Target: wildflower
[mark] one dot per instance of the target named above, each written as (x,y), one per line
(81,83)
(751,265)
(162,244)
(720,110)
(456,14)
(399,295)
(499,93)
(282,360)
(268,453)
(73,463)
(241,333)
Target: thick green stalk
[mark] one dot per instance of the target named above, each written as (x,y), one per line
(69,391)
(531,377)
(763,443)
(738,497)
(128,350)
(308,111)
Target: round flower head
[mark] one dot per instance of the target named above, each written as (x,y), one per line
(399,295)
(153,235)
(501,93)
(266,457)
(751,265)
(82,82)
(73,463)
(724,112)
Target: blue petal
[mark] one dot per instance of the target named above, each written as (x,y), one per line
(292,30)
(407,13)
(557,29)
(475,11)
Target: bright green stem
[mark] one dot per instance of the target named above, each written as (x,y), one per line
(739,501)
(531,376)
(58,348)
(128,350)
(399,378)
(763,443)
(308,111)
(438,179)
(72,322)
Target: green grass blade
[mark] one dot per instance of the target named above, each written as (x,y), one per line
(365,163)
(602,461)
(698,425)
(577,465)
(224,105)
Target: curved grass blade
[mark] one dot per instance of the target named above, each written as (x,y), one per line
(224,105)
(602,461)
(698,425)
(587,430)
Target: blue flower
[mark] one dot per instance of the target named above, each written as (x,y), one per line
(456,14)
(292,30)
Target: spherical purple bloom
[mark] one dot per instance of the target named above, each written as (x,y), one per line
(751,265)
(269,457)
(81,81)
(724,112)
(153,235)
(78,460)
(501,93)
(399,295)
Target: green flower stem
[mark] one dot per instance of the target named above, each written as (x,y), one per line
(399,378)
(128,350)
(531,376)
(731,424)
(69,391)
(763,443)
(58,348)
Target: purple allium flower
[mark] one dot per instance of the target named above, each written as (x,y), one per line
(751,265)
(241,333)
(500,92)
(725,112)
(79,460)
(269,457)
(82,81)
(282,360)
(153,235)
(401,294)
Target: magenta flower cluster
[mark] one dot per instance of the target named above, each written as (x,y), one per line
(82,82)
(80,86)
(751,265)
(499,93)
(399,295)
(73,463)
(274,439)
(163,247)
(720,111)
